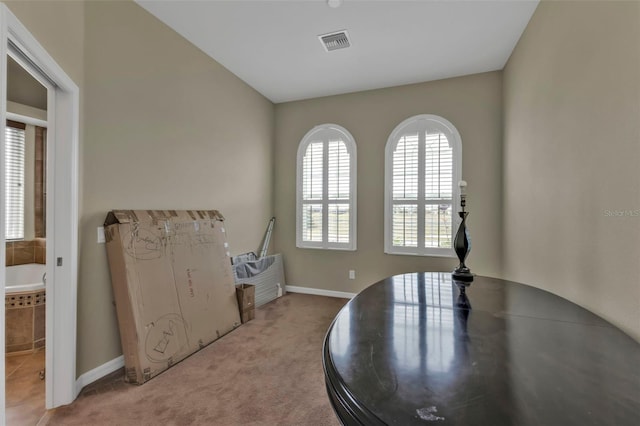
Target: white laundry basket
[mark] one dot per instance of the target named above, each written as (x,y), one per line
(266,273)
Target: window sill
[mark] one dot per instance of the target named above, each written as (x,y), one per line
(327,248)
(448,254)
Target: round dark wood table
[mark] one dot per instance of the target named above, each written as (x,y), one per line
(414,350)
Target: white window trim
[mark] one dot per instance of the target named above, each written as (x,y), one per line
(350,144)
(453,136)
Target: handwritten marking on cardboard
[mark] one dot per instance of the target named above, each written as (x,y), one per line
(144,245)
(164,342)
(166,337)
(190,282)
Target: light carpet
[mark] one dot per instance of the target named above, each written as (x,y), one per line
(266,372)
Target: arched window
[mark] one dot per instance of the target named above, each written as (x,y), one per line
(423,161)
(326,189)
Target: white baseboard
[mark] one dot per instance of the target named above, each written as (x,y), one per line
(319,292)
(98,373)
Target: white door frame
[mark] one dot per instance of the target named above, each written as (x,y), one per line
(63,107)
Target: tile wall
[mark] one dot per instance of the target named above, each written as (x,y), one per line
(25,321)
(25,312)
(23,252)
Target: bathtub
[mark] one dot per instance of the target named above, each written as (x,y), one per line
(25,304)
(24,278)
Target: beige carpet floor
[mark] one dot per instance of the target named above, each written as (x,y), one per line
(266,372)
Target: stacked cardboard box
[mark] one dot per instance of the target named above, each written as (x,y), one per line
(173,285)
(246,294)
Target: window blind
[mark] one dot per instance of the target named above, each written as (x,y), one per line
(14,180)
(438,170)
(338,171)
(405,168)
(438,190)
(338,179)
(405,189)
(312,172)
(312,188)
(326,191)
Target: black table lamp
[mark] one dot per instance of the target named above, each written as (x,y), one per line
(461,243)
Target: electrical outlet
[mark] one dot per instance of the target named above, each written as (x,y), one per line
(101,238)
(352,274)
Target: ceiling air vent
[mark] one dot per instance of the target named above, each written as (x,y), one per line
(335,41)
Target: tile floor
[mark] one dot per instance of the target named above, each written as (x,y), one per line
(25,390)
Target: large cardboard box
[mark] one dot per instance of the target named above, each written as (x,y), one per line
(173,285)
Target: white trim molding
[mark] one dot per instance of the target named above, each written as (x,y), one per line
(319,292)
(63,119)
(26,119)
(3,112)
(99,372)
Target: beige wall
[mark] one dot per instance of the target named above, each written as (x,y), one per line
(571,157)
(473,104)
(164,127)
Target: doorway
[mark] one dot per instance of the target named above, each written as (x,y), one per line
(61,208)
(25,231)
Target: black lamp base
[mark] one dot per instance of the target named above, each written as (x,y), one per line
(462,247)
(462,274)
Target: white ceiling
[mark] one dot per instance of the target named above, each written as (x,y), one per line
(273,45)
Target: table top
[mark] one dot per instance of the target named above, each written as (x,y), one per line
(408,351)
